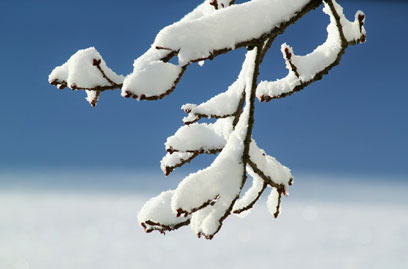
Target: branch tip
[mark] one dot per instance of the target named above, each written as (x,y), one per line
(214,3)
(290,182)
(167,171)
(179,212)
(288,54)
(277,212)
(96,62)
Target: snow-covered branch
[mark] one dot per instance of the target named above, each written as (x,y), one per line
(221,31)
(157,215)
(207,137)
(252,195)
(224,105)
(210,195)
(192,39)
(176,159)
(204,199)
(304,70)
(86,70)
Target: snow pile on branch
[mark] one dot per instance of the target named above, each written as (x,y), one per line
(305,69)
(198,38)
(204,199)
(209,30)
(209,196)
(86,70)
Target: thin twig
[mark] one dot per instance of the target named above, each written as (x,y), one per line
(252,203)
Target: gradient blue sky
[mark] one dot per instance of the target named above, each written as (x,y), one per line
(352,121)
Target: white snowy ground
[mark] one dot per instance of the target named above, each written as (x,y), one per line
(325,223)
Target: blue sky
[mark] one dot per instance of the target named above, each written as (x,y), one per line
(352,121)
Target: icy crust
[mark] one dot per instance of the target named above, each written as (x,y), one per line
(201,137)
(151,76)
(303,69)
(197,38)
(243,205)
(156,214)
(278,173)
(80,71)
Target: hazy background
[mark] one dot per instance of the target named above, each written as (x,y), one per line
(72,177)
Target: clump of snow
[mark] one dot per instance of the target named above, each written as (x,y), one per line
(151,76)
(273,169)
(221,105)
(197,38)
(157,210)
(206,137)
(92,97)
(79,71)
(272,202)
(174,159)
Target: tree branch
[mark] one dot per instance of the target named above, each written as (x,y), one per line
(278,205)
(278,29)
(199,151)
(250,205)
(169,166)
(63,84)
(151,226)
(185,213)
(160,96)
(266,178)
(267,91)
(247,140)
